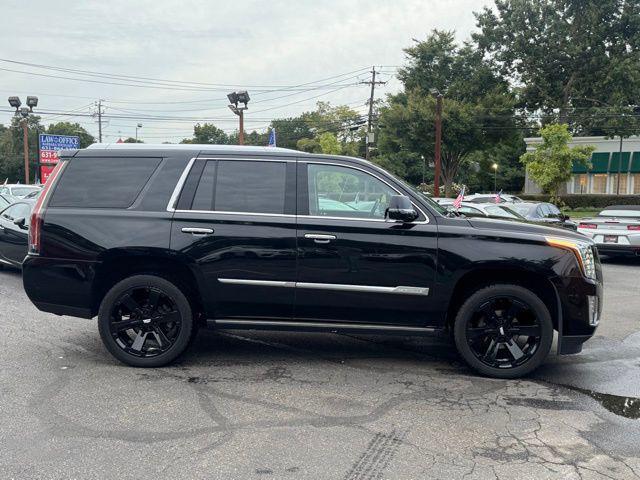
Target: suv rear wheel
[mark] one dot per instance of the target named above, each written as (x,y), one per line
(503,331)
(145,321)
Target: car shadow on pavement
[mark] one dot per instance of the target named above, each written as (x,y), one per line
(248,347)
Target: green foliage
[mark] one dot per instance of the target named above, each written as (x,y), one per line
(11,148)
(566,56)
(207,133)
(551,163)
(477,113)
(132,140)
(329,144)
(73,129)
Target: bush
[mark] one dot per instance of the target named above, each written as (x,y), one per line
(579,202)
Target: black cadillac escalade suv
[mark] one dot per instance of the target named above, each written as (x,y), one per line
(158,241)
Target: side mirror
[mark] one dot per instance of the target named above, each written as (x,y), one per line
(400,209)
(21,222)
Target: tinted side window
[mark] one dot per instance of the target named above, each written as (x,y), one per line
(346,192)
(252,187)
(103,182)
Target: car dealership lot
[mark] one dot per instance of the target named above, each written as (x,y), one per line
(291,405)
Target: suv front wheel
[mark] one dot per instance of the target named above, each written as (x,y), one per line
(145,321)
(503,331)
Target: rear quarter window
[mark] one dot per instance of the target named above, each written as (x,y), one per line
(103,182)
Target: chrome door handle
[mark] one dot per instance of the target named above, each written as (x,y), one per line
(320,237)
(197,231)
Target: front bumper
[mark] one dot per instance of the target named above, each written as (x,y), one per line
(579,311)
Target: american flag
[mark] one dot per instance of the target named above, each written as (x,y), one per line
(272,138)
(499,196)
(457,203)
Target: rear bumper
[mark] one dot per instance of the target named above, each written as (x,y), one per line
(613,249)
(59,286)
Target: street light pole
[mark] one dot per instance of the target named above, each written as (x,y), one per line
(24,111)
(139,125)
(234,99)
(495,177)
(25,147)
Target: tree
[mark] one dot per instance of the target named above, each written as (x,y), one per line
(566,56)
(478,112)
(73,129)
(551,163)
(207,133)
(132,140)
(11,148)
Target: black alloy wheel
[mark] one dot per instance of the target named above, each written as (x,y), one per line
(145,321)
(504,331)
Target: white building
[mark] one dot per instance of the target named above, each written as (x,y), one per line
(602,178)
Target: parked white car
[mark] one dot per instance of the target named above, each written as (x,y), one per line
(616,230)
(17,190)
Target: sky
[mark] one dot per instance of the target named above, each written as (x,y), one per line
(287,54)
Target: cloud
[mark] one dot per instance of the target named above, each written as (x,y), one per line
(246,42)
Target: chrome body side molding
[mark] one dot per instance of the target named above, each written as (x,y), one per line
(401,290)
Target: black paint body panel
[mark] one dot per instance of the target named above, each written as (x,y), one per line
(436,252)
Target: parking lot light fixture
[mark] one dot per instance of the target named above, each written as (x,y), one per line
(495,176)
(14,102)
(32,101)
(241,96)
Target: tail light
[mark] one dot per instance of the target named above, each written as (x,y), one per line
(37,216)
(633,227)
(588,225)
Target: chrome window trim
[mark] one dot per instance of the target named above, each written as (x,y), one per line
(185,173)
(399,290)
(243,159)
(308,162)
(171,206)
(251,214)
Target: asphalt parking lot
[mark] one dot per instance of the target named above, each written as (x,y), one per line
(314,406)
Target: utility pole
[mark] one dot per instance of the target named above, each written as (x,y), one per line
(373,84)
(436,180)
(241,132)
(99,104)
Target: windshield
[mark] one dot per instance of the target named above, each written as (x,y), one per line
(22,191)
(504,212)
(522,209)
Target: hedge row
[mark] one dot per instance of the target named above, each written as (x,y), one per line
(588,201)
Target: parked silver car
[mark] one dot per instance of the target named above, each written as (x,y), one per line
(616,230)
(17,190)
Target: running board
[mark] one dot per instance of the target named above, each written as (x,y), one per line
(332,327)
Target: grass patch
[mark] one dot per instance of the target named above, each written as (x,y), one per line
(582,213)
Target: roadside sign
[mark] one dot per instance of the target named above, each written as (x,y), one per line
(50,145)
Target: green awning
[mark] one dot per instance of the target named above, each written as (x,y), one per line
(635,163)
(615,162)
(599,164)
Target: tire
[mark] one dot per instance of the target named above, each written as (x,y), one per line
(507,338)
(156,336)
